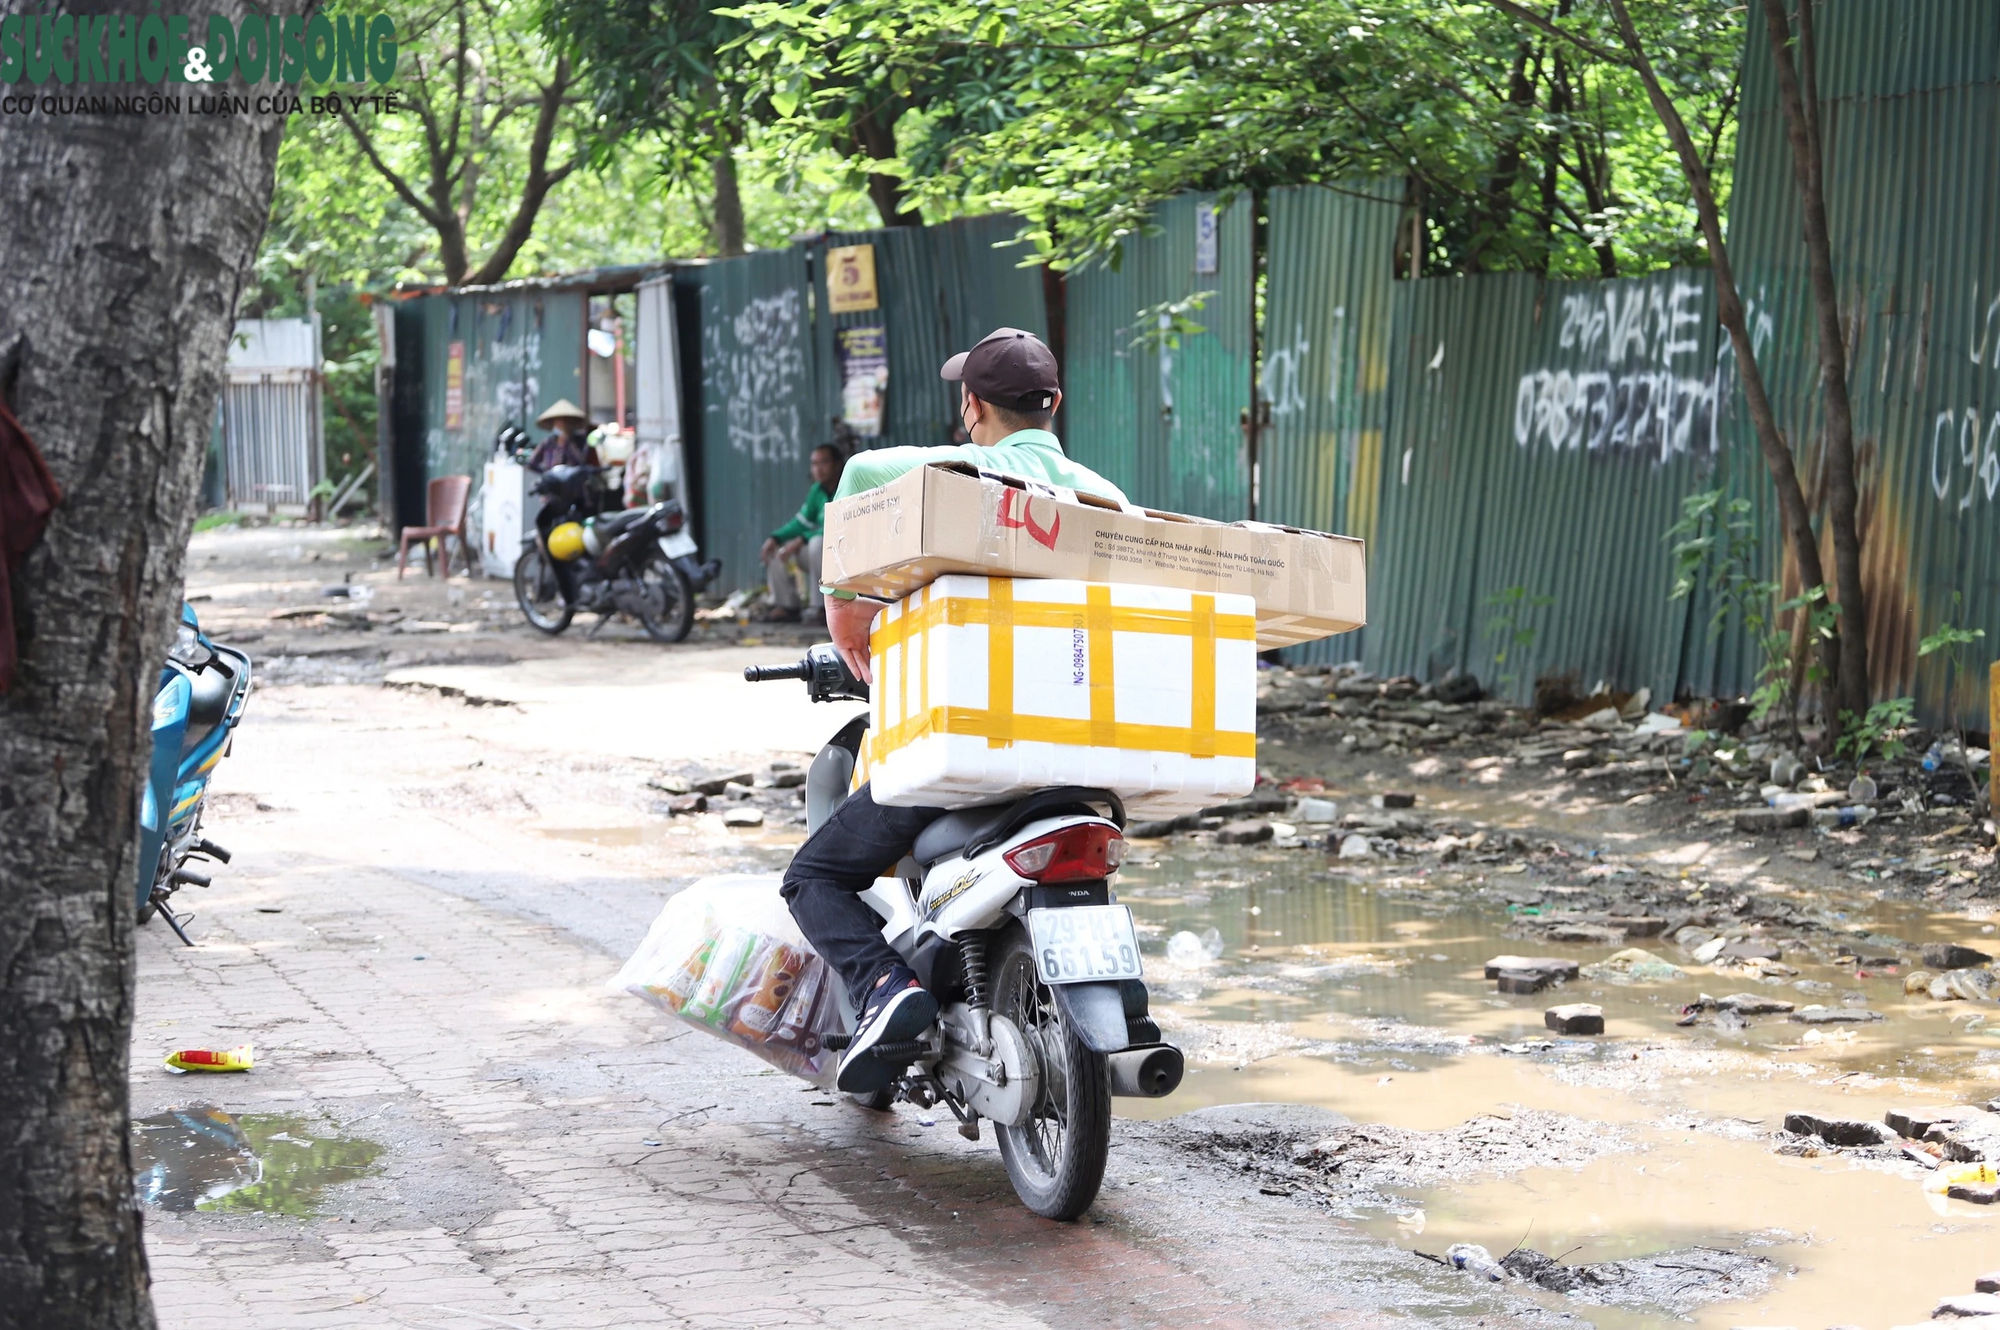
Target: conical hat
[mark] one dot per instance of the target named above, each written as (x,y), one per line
(564,409)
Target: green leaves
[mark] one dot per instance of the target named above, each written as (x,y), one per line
(1081,114)
(1880,731)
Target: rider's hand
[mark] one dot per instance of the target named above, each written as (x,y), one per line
(766,550)
(847,621)
(792,546)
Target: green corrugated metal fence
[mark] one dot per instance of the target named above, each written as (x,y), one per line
(942,288)
(1166,423)
(760,411)
(510,376)
(1911,93)
(1325,369)
(770,377)
(1541,437)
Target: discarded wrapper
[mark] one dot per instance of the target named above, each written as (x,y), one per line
(242,1058)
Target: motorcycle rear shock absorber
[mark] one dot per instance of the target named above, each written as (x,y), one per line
(972,959)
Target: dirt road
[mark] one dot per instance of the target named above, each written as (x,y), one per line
(427,896)
(449,832)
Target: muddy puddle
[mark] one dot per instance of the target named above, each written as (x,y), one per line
(205,1158)
(1365,993)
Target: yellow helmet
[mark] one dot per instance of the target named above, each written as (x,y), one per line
(566,541)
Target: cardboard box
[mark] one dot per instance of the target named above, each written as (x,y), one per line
(991,686)
(950,518)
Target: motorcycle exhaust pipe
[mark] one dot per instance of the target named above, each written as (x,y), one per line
(1146,1073)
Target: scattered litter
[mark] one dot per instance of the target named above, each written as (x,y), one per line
(1184,948)
(241,1058)
(1475,1260)
(1964,986)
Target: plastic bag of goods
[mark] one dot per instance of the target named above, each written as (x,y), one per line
(725,957)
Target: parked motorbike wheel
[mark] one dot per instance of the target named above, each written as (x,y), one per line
(538,593)
(676,599)
(1056,1160)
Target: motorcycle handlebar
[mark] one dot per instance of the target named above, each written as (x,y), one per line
(826,675)
(766,673)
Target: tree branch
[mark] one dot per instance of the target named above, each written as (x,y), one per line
(540,181)
(388,173)
(1523,14)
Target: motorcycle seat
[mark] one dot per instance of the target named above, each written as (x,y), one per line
(612,524)
(951,833)
(212,686)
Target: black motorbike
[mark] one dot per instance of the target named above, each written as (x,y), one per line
(586,554)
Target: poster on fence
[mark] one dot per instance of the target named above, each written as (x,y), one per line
(864,377)
(850,279)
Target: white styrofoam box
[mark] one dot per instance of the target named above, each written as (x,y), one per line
(506,515)
(1146,691)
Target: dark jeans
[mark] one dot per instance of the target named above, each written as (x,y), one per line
(859,843)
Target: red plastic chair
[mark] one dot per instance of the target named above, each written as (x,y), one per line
(444,517)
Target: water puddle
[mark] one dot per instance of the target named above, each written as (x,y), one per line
(205,1158)
(1366,994)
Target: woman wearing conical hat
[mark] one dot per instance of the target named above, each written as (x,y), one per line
(565,445)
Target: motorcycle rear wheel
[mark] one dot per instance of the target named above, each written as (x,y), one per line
(1056,1160)
(539,594)
(658,573)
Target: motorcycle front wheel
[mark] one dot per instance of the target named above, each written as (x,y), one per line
(1056,1160)
(670,601)
(538,592)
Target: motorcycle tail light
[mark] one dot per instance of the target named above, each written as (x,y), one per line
(674,520)
(1086,851)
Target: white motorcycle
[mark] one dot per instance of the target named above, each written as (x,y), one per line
(1007,916)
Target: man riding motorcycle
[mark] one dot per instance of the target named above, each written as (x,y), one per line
(1008,398)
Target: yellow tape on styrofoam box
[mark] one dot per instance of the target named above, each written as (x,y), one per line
(991,686)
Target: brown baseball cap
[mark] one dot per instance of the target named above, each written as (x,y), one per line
(1010,368)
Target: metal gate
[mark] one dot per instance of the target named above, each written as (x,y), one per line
(273,445)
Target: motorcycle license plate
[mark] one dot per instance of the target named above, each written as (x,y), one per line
(1084,943)
(677,545)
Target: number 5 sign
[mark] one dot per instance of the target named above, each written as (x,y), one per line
(850,279)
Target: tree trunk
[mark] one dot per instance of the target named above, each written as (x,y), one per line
(127,243)
(1798,94)
(1498,204)
(1729,312)
(877,137)
(729,239)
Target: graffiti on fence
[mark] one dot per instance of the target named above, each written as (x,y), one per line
(763,350)
(1637,383)
(1965,455)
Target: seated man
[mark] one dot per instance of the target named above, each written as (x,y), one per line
(801,538)
(1008,399)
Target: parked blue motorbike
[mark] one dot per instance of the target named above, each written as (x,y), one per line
(203,687)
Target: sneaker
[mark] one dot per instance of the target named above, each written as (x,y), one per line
(897,1011)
